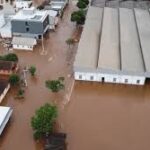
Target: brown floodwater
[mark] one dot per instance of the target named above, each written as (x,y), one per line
(108,117)
(97,117)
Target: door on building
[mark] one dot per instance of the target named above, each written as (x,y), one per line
(103,79)
(147,81)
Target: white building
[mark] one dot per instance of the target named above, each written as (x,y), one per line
(5,24)
(5,114)
(57,5)
(53,19)
(114,46)
(23,3)
(23,43)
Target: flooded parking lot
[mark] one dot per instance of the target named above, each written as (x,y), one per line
(98,116)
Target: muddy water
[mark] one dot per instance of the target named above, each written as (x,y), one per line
(108,117)
(99,116)
(56,61)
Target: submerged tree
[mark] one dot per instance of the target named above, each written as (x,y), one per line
(32,70)
(43,120)
(55,85)
(14,79)
(70,42)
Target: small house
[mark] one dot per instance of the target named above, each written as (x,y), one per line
(23,43)
(8,67)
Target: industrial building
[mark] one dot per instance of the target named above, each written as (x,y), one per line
(114,46)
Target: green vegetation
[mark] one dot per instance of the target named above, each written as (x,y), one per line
(70,42)
(55,85)
(32,70)
(43,121)
(85,1)
(14,79)
(9,57)
(81,4)
(20,94)
(78,17)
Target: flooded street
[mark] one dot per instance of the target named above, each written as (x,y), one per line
(97,117)
(56,61)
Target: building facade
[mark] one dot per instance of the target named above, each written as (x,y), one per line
(30,23)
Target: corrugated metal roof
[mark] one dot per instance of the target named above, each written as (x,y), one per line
(131,55)
(109,56)
(24,41)
(124,40)
(143,24)
(87,55)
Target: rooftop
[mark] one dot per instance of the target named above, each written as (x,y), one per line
(116,40)
(24,41)
(6,65)
(30,14)
(89,40)
(5,113)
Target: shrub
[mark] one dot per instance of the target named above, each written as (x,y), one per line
(14,79)
(32,70)
(78,17)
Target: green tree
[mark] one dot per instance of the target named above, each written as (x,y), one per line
(81,4)
(85,1)
(55,85)
(70,42)
(43,120)
(20,94)
(11,57)
(32,70)
(78,17)
(14,79)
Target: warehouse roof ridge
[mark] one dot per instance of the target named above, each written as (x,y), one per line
(117,39)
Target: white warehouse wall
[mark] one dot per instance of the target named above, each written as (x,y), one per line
(110,78)
(23,47)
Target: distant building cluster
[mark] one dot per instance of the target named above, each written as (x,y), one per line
(114,46)
(24,24)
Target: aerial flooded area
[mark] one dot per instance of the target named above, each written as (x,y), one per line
(96,117)
(108,117)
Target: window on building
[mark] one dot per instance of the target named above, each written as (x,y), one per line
(91,77)
(80,76)
(114,79)
(126,80)
(27,29)
(138,81)
(26,23)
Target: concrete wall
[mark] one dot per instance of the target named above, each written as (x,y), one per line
(23,47)
(110,78)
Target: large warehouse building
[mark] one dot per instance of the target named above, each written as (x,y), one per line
(114,46)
